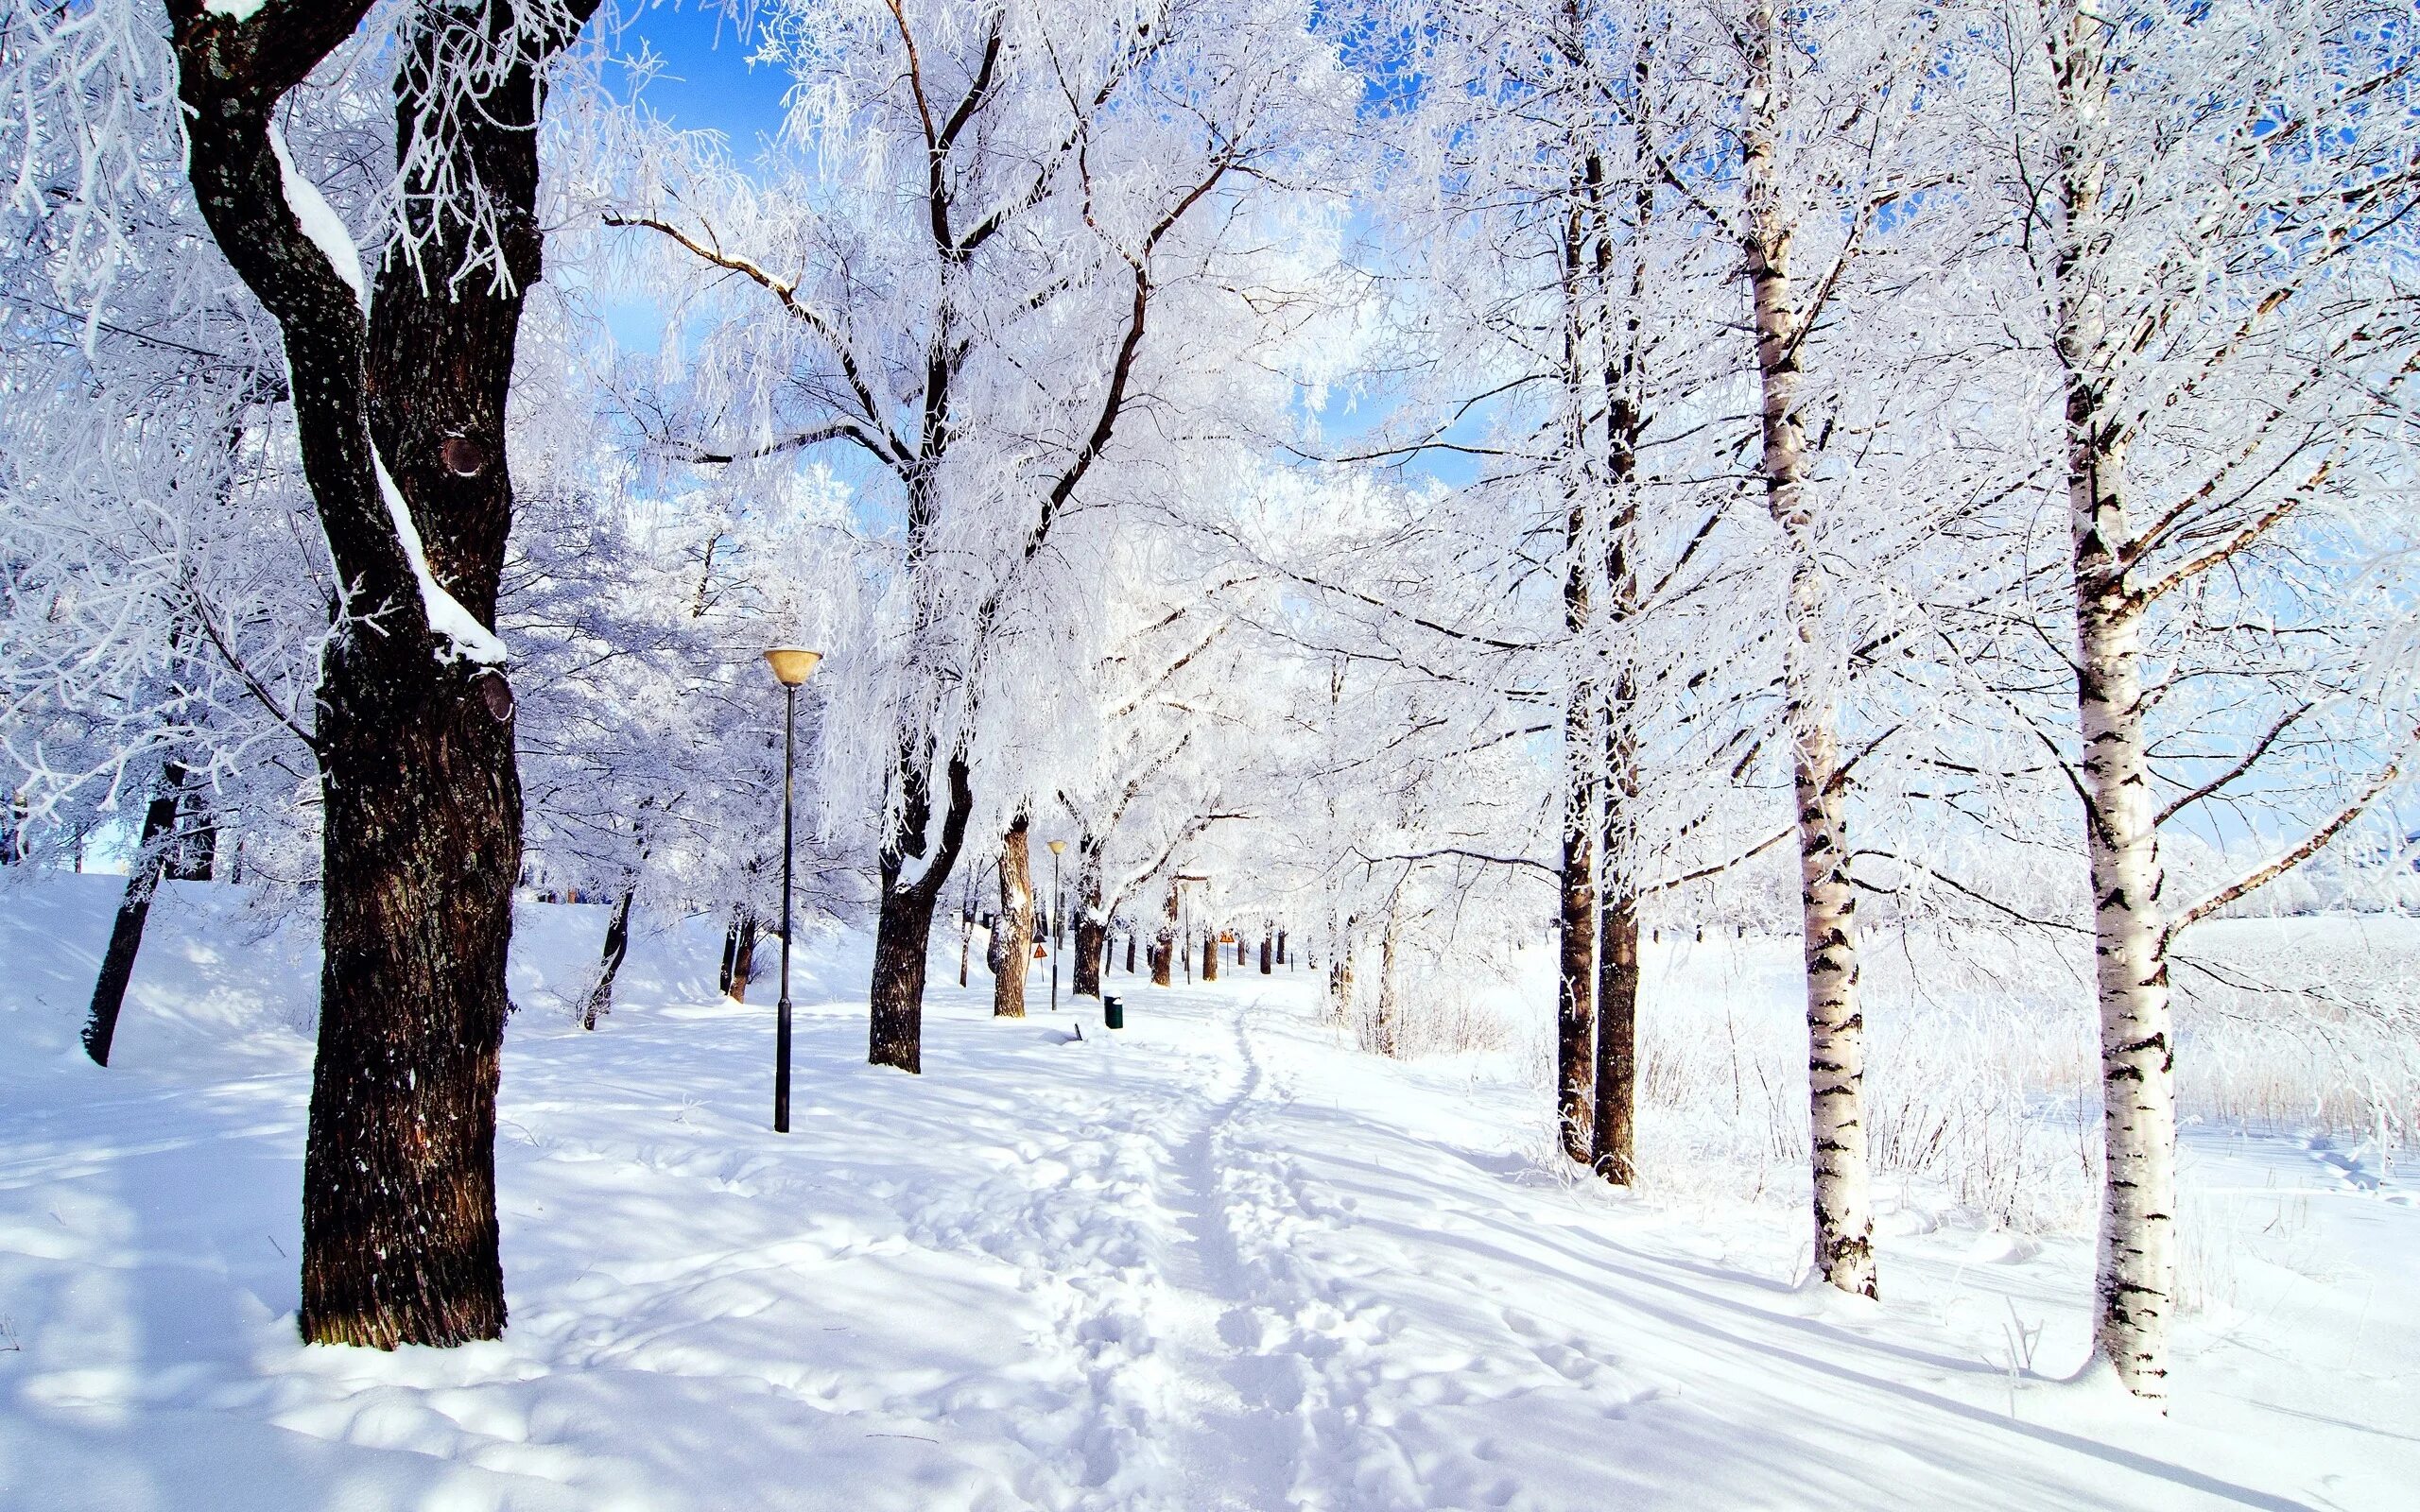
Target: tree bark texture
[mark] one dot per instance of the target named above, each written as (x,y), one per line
(1267,943)
(422,818)
(904,928)
(1614,1136)
(1575,976)
(2136,1274)
(1092,922)
(1163,955)
(617,944)
(1843,1213)
(1210,953)
(1014,930)
(133,912)
(739,954)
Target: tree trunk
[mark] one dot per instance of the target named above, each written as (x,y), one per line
(1092,927)
(1267,946)
(1210,953)
(2136,1274)
(617,944)
(400,420)
(1386,1029)
(1615,1135)
(1015,929)
(739,955)
(1835,1027)
(1616,1091)
(1163,956)
(966,931)
(1576,972)
(1281,959)
(1339,981)
(903,929)
(134,911)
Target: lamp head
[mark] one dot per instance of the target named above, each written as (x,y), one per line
(792,664)
(1058,846)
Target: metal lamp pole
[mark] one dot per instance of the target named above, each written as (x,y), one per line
(791,666)
(1058,922)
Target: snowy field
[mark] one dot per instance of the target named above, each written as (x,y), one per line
(1213,1262)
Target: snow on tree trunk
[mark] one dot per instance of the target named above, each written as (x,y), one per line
(904,927)
(1092,922)
(1163,954)
(1210,953)
(399,400)
(1386,1026)
(617,944)
(1266,945)
(739,955)
(1615,1136)
(1835,1027)
(1576,973)
(1014,930)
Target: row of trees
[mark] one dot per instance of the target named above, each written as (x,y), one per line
(1419,470)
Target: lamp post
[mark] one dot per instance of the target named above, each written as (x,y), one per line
(1058,922)
(791,666)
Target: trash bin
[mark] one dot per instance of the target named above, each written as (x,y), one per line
(1112,1012)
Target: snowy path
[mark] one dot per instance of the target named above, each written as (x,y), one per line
(1209,1262)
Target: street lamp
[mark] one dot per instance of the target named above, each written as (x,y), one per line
(791,666)
(1058,922)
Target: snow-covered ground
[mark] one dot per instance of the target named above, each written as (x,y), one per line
(1214,1261)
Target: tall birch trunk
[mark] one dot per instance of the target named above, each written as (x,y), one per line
(1835,1025)
(2135,1276)
(1014,928)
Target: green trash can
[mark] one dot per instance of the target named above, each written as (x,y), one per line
(1113,1011)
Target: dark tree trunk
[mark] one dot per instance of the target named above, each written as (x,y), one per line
(1092,935)
(1617,1088)
(895,1030)
(193,852)
(1267,946)
(1281,949)
(739,955)
(617,944)
(134,911)
(1130,952)
(422,819)
(1210,955)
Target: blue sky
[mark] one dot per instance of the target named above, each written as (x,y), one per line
(707,83)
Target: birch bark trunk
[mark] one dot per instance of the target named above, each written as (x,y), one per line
(1835,1024)
(2136,1274)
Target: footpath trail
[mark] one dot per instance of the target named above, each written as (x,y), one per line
(1217,1260)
